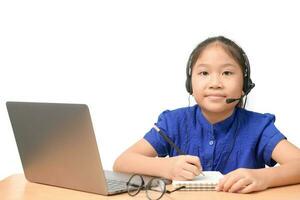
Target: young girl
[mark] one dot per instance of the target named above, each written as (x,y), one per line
(217,134)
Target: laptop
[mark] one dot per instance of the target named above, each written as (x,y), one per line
(57,147)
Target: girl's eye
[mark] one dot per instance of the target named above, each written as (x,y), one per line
(227,73)
(204,73)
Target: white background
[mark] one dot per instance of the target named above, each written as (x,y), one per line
(126,60)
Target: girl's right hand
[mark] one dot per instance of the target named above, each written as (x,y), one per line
(184,167)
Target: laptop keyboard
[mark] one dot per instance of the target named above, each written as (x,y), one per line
(115,185)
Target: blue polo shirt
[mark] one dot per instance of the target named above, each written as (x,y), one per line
(245,139)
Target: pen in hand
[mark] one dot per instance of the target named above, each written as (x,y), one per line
(166,138)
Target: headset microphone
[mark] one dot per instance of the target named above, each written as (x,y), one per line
(231,100)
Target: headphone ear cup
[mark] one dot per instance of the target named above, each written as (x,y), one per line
(251,85)
(188,85)
(188,82)
(248,86)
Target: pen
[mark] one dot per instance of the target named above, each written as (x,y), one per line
(166,138)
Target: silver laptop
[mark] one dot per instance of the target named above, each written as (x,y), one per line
(57,147)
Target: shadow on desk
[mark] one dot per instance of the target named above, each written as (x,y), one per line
(16,187)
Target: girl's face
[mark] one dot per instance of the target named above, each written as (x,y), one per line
(215,77)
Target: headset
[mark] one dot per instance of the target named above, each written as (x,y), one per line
(248,84)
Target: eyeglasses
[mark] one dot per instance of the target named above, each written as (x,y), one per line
(155,188)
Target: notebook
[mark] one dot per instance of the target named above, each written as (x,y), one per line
(202,183)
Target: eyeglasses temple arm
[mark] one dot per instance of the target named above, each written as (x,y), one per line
(179,188)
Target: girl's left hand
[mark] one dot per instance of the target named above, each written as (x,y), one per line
(243,181)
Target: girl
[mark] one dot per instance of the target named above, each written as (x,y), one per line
(218,134)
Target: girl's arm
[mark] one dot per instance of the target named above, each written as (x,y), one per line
(249,180)
(288,156)
(141,159)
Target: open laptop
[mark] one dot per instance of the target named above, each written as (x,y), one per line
(57,147)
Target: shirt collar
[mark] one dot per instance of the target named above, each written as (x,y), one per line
(222,126)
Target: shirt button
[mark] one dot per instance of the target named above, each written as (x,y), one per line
(211,142)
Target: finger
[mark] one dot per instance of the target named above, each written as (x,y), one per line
(194,160)
(191,168)
(223,180)
(179,178)
(230,181)
(247,189)
(187,175)
(240,184)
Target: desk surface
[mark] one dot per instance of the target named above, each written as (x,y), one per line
(16,187)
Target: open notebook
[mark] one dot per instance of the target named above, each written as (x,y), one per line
(204,183)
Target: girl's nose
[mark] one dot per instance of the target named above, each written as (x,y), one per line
(215,82)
